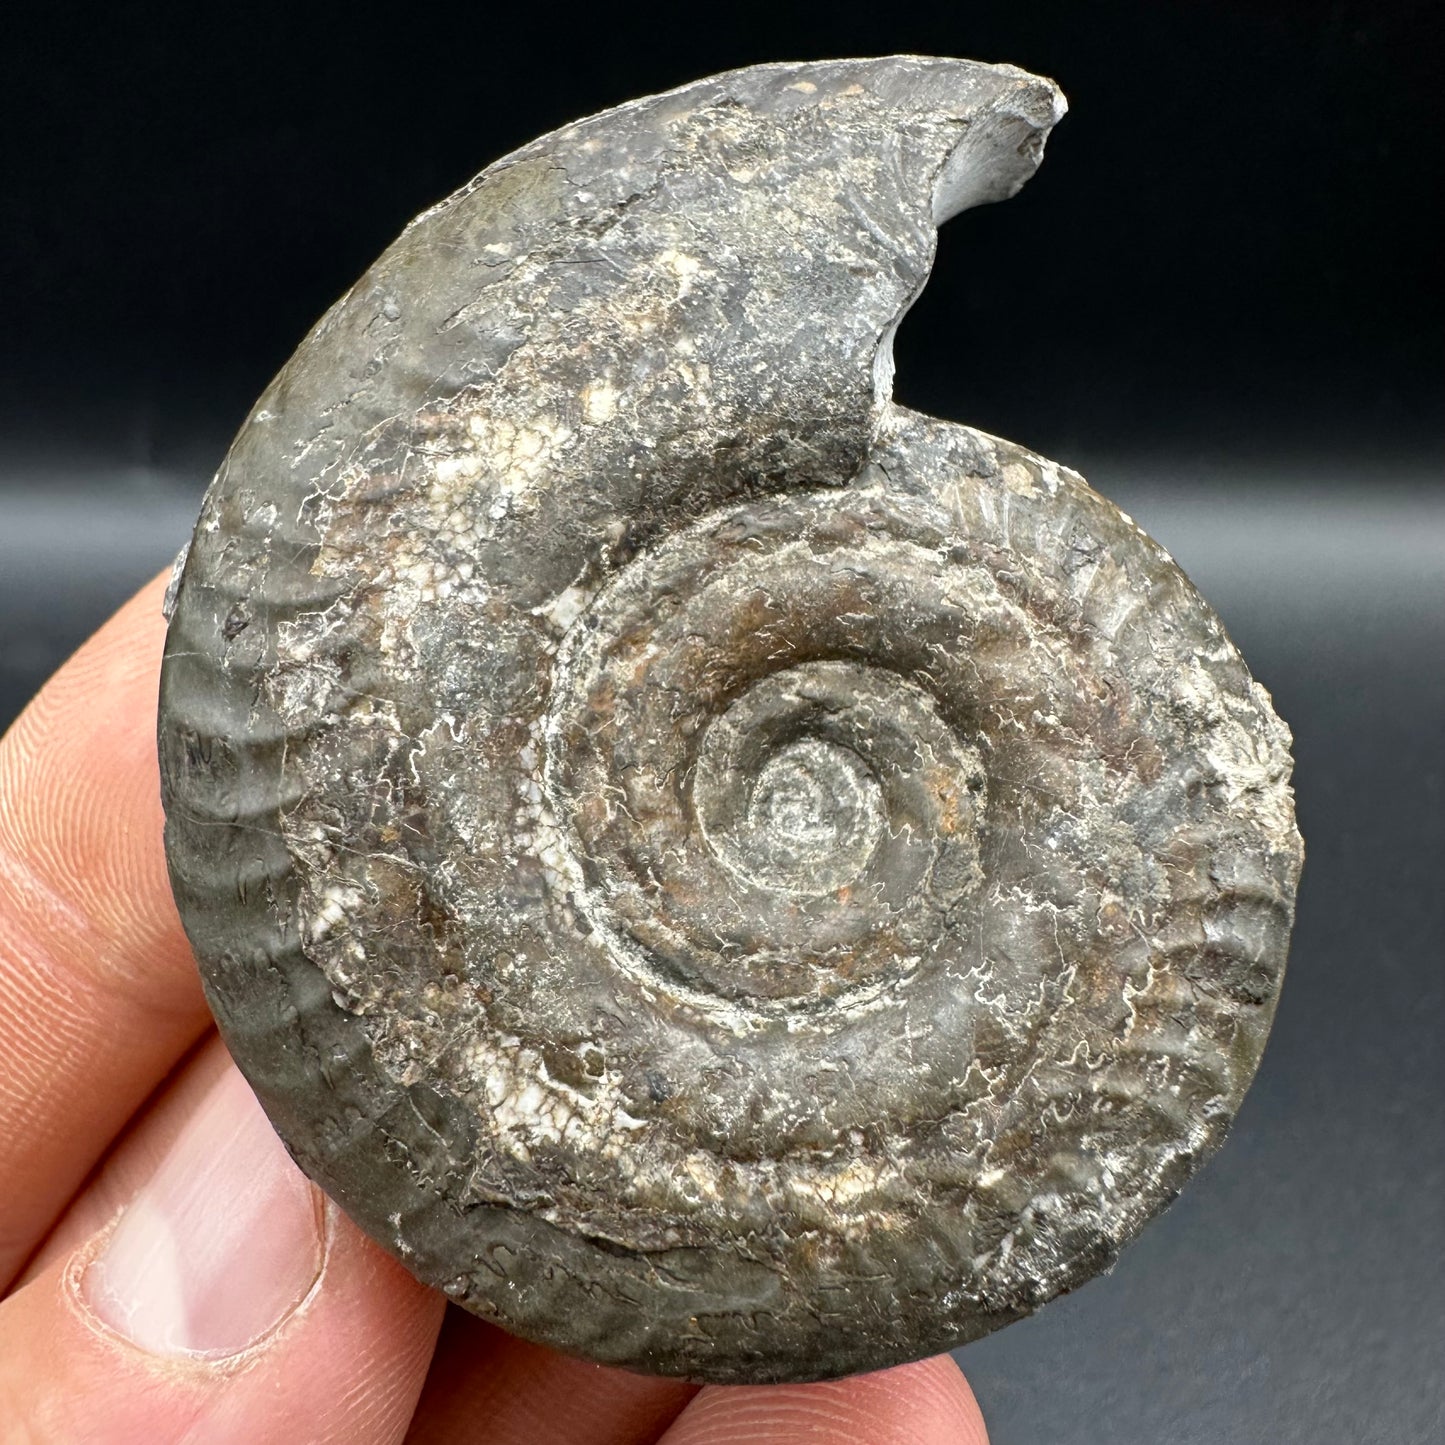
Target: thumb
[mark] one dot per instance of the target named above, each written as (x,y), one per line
(229,1302)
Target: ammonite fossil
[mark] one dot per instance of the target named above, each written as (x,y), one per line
(720,873)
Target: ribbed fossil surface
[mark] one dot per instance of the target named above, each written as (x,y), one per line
(718,872)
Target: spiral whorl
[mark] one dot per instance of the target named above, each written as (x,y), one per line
(719,873)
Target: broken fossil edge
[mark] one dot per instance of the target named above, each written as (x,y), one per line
(719,873)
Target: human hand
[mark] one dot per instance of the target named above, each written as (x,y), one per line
(172,1274)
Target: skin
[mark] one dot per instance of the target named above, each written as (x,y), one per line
(118,1106)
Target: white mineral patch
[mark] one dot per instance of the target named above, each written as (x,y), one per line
(527,1109)
(599,403)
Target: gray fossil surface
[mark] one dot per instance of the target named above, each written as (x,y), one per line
(719,873)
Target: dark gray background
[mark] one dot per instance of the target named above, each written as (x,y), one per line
(1223,295)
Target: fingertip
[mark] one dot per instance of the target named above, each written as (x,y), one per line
(925,1403)
(491,1388)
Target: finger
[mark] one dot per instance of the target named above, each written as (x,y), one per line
(227,1303)
(489,1388)
(98,993)
(928,1403)
(133,1159)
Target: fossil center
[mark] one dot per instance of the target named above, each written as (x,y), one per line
(812,820)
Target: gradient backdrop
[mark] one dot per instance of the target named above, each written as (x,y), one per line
(1220,299)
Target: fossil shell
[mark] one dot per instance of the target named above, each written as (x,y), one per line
(720,873)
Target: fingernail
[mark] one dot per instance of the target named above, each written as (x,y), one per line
(220,1245)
